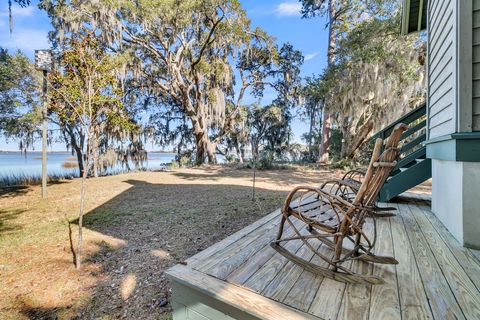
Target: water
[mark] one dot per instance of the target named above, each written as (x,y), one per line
(18,164)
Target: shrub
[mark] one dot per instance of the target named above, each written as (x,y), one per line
(230,158)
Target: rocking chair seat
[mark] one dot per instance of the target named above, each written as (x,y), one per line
(321,216)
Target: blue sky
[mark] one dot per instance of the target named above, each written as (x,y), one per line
(279,18)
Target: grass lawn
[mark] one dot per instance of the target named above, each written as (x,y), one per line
(137,226)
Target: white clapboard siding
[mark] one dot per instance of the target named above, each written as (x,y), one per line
(441,73)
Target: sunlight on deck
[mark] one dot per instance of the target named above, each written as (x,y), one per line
(436,277)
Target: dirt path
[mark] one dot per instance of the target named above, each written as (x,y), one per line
(137,226)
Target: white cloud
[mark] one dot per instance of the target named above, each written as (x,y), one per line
(288,9)
(26,40)
(310,56)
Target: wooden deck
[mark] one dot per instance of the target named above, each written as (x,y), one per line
(242,277)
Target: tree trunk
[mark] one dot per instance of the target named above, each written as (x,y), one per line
(358,139)
(77,147)
(255,145)
(310,135)
(82,204)
(211,151)
(205,147)
(80,220)
(239,152)
(327,121)
(95,155)
(345,137)
(79,154)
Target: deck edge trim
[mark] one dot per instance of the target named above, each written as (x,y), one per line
(253,303)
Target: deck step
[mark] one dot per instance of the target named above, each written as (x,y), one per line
(413,167)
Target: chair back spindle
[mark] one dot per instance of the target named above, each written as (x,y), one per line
(379,167)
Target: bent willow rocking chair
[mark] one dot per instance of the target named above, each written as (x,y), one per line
(339,223)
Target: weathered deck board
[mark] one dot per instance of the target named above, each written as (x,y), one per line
(300,298)
(357,298)
(260,279)
(464,256)
(251,266)
(384,302)
(413,299)
(476,253)
(280,286)
(223,268)
(462,287)
(328,299)
(436,277)
(442,301)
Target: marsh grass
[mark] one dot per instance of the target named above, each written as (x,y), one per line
(69,165)
(22,179)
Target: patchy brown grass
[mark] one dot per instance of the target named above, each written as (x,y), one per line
(137,226)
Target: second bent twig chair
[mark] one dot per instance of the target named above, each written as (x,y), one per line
(339,222)
(347,187)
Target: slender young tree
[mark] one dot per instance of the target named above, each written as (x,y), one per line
(85,91)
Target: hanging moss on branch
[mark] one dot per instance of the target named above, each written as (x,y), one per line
(186,57)
(378,75)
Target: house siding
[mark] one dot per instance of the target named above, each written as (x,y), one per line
(476,65)
(441,71)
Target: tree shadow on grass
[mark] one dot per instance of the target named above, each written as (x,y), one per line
(18,190)
(160,226)
(278,177)
(13,191)
(36,313)
(6,218)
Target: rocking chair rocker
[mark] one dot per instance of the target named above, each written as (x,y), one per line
(335,216)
